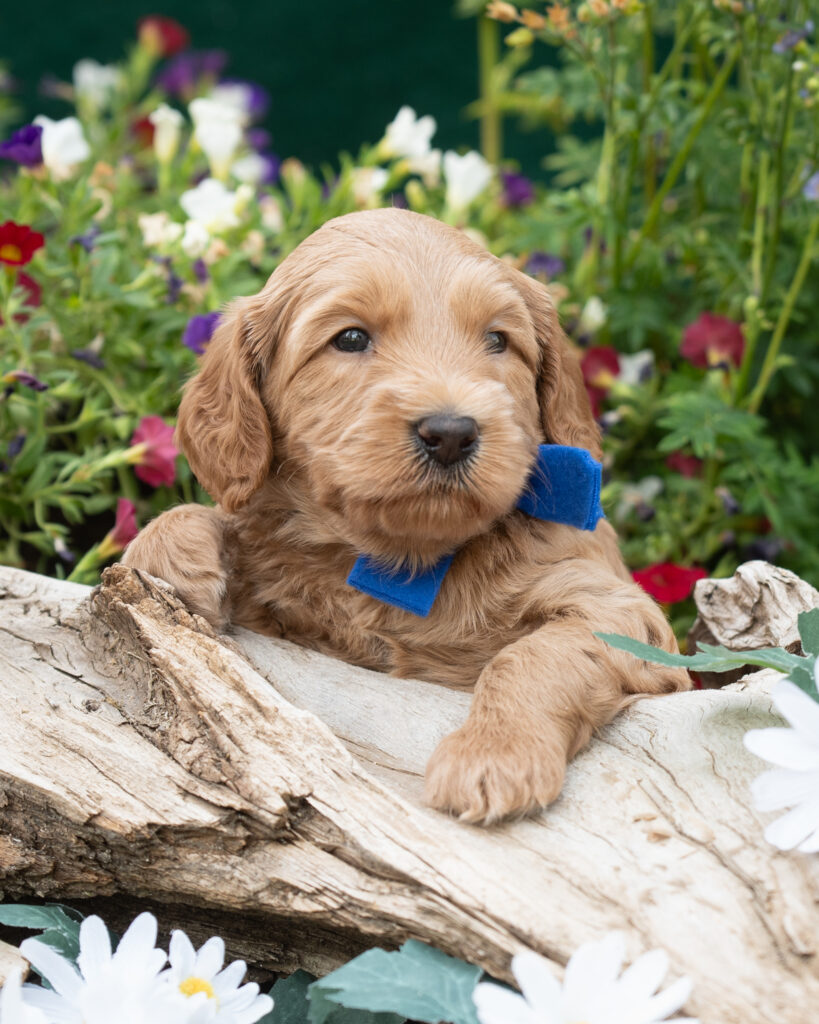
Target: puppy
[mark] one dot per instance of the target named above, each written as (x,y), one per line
(385,394)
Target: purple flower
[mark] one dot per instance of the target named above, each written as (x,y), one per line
(182,75)
(767,549)
(256,99)
(200,271)
(810,190)
(399,201)
(175,283)
(24,146)
(545,263)
(15,446)
(89,356)
(88,239)
(257,138)
(24,378)
(793,38)
(199,331)
(517,190)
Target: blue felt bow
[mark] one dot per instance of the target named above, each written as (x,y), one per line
(564,487)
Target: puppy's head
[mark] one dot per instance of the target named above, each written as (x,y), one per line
(399,373)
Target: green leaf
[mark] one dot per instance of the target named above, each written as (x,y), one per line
(710,658)
(805,679)
(808,623)
(59,926)
(324,1008)
(290,1002)
(417,982)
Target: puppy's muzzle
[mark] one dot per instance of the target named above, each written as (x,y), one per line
(447,439)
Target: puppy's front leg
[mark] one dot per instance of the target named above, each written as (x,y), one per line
(185,547)
(536,704)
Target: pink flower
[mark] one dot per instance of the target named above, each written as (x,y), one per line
(685,465)
(713,340)
(124,531)
(154,451)
(600,365)
(669,583)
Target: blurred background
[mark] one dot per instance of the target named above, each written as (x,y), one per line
(336,72)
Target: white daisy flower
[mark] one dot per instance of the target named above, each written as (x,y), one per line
(593,990)
(368,184)
(795,782)
(95,83)
(227,1000)
(64,146)
(409,135)
(125,986)
(218,128)
(213,205)
(466,177)
(13,1008)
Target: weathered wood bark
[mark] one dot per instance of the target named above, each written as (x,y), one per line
(756,607)
(142,755)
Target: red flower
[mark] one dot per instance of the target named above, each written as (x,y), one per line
(668,583)
(685,465)
(143,132)
(713,341)
(156,455)
(600,366)
(18,243)
(162,36)
(125,526)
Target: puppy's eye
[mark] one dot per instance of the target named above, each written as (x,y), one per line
(495,341)
(353,339)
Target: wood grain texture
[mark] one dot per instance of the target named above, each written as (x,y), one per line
(278,791)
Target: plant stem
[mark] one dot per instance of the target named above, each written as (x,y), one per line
(779,179)
(769,364)
(683,153)
(491,118)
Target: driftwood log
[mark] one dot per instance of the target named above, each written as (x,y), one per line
(273,794)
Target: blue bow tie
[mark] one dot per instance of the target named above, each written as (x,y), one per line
(564,487)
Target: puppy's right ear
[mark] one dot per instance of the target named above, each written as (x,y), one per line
(223,427)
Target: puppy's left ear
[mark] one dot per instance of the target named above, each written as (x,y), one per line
(565,410)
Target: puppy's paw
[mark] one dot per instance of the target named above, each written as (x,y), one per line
(183,546)
(483,777)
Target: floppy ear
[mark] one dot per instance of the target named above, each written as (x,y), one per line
(565,410)
(223,427)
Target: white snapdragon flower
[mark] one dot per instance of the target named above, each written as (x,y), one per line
(125,986)
(13,1008)
(217,127)
(158,230)
(795,782)
(167,124)
(64,146)
(593,315)
(368,184)
(213,205)
(428,167)
(195,239)
(227,1001)
(250,168)
(408,135)
(236,95)
(94,83)
(593,990)
(636,368)
(466,177)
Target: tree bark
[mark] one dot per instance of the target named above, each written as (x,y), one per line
(273,794)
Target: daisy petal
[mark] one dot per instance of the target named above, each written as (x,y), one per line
(795,826)
(798,708)
(210,958)
(592,969)
(61,975)
(540,988)
(260,1006)
(496,1005)
(811,844)
(644,977)
(230,978)
(668,1001)
(95,948)
(783,747)
(141,935)
(182,955)
(781,787)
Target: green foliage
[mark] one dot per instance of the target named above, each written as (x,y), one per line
(416,982)
(58,926)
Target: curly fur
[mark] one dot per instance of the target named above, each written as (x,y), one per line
(310,454)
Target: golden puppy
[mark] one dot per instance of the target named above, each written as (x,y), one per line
(385,393)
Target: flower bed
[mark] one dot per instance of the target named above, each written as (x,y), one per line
(679,245)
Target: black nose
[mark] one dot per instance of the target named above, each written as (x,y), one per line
(448,439)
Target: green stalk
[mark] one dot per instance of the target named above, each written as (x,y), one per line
(684,152)
(776,210)
(491,119)
(650,168)
(769,364)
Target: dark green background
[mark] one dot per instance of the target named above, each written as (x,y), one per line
(337,70)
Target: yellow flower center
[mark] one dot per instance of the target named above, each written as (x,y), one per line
(11,253)
(191,986)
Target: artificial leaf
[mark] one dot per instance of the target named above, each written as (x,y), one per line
(808,623)
(290,1002)
(324,1008)
(710,658)
(59,926)
(804,678)
(417,982)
